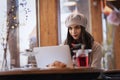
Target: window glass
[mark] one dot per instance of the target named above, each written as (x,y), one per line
(27,18)
(2,27)
(26,34)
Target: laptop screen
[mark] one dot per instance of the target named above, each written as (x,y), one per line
(47,55)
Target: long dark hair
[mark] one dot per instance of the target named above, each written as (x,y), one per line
(85,38)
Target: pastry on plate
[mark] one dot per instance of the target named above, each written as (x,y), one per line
(57,64)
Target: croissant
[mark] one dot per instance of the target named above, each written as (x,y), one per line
(57,64)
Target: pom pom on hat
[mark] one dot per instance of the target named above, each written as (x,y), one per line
(76,19)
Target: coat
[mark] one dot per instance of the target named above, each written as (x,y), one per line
(96,55)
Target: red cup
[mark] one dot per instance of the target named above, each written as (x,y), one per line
(82,58)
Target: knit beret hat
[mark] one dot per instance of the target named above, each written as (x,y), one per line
(76,19)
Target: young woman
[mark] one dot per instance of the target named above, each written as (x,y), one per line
(78,35)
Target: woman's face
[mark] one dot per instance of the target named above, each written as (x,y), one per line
(75,31)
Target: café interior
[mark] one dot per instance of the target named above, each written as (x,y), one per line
(26,24)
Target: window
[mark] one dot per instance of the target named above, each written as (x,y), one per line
(26,34)
(27,20)
(2,27)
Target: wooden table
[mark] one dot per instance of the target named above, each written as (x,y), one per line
(51,74)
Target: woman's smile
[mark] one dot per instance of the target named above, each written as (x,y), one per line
(75,36)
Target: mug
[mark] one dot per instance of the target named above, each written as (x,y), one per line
(82,58)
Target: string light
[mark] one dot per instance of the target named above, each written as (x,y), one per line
(15,18)
(13,27)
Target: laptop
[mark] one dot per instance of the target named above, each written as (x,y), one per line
(47,55)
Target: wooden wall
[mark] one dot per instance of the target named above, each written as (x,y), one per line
(48,22)
(117,47)
(96,20)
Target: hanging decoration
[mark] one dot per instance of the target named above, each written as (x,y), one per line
(23,4)
(107,10)
(114,17)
